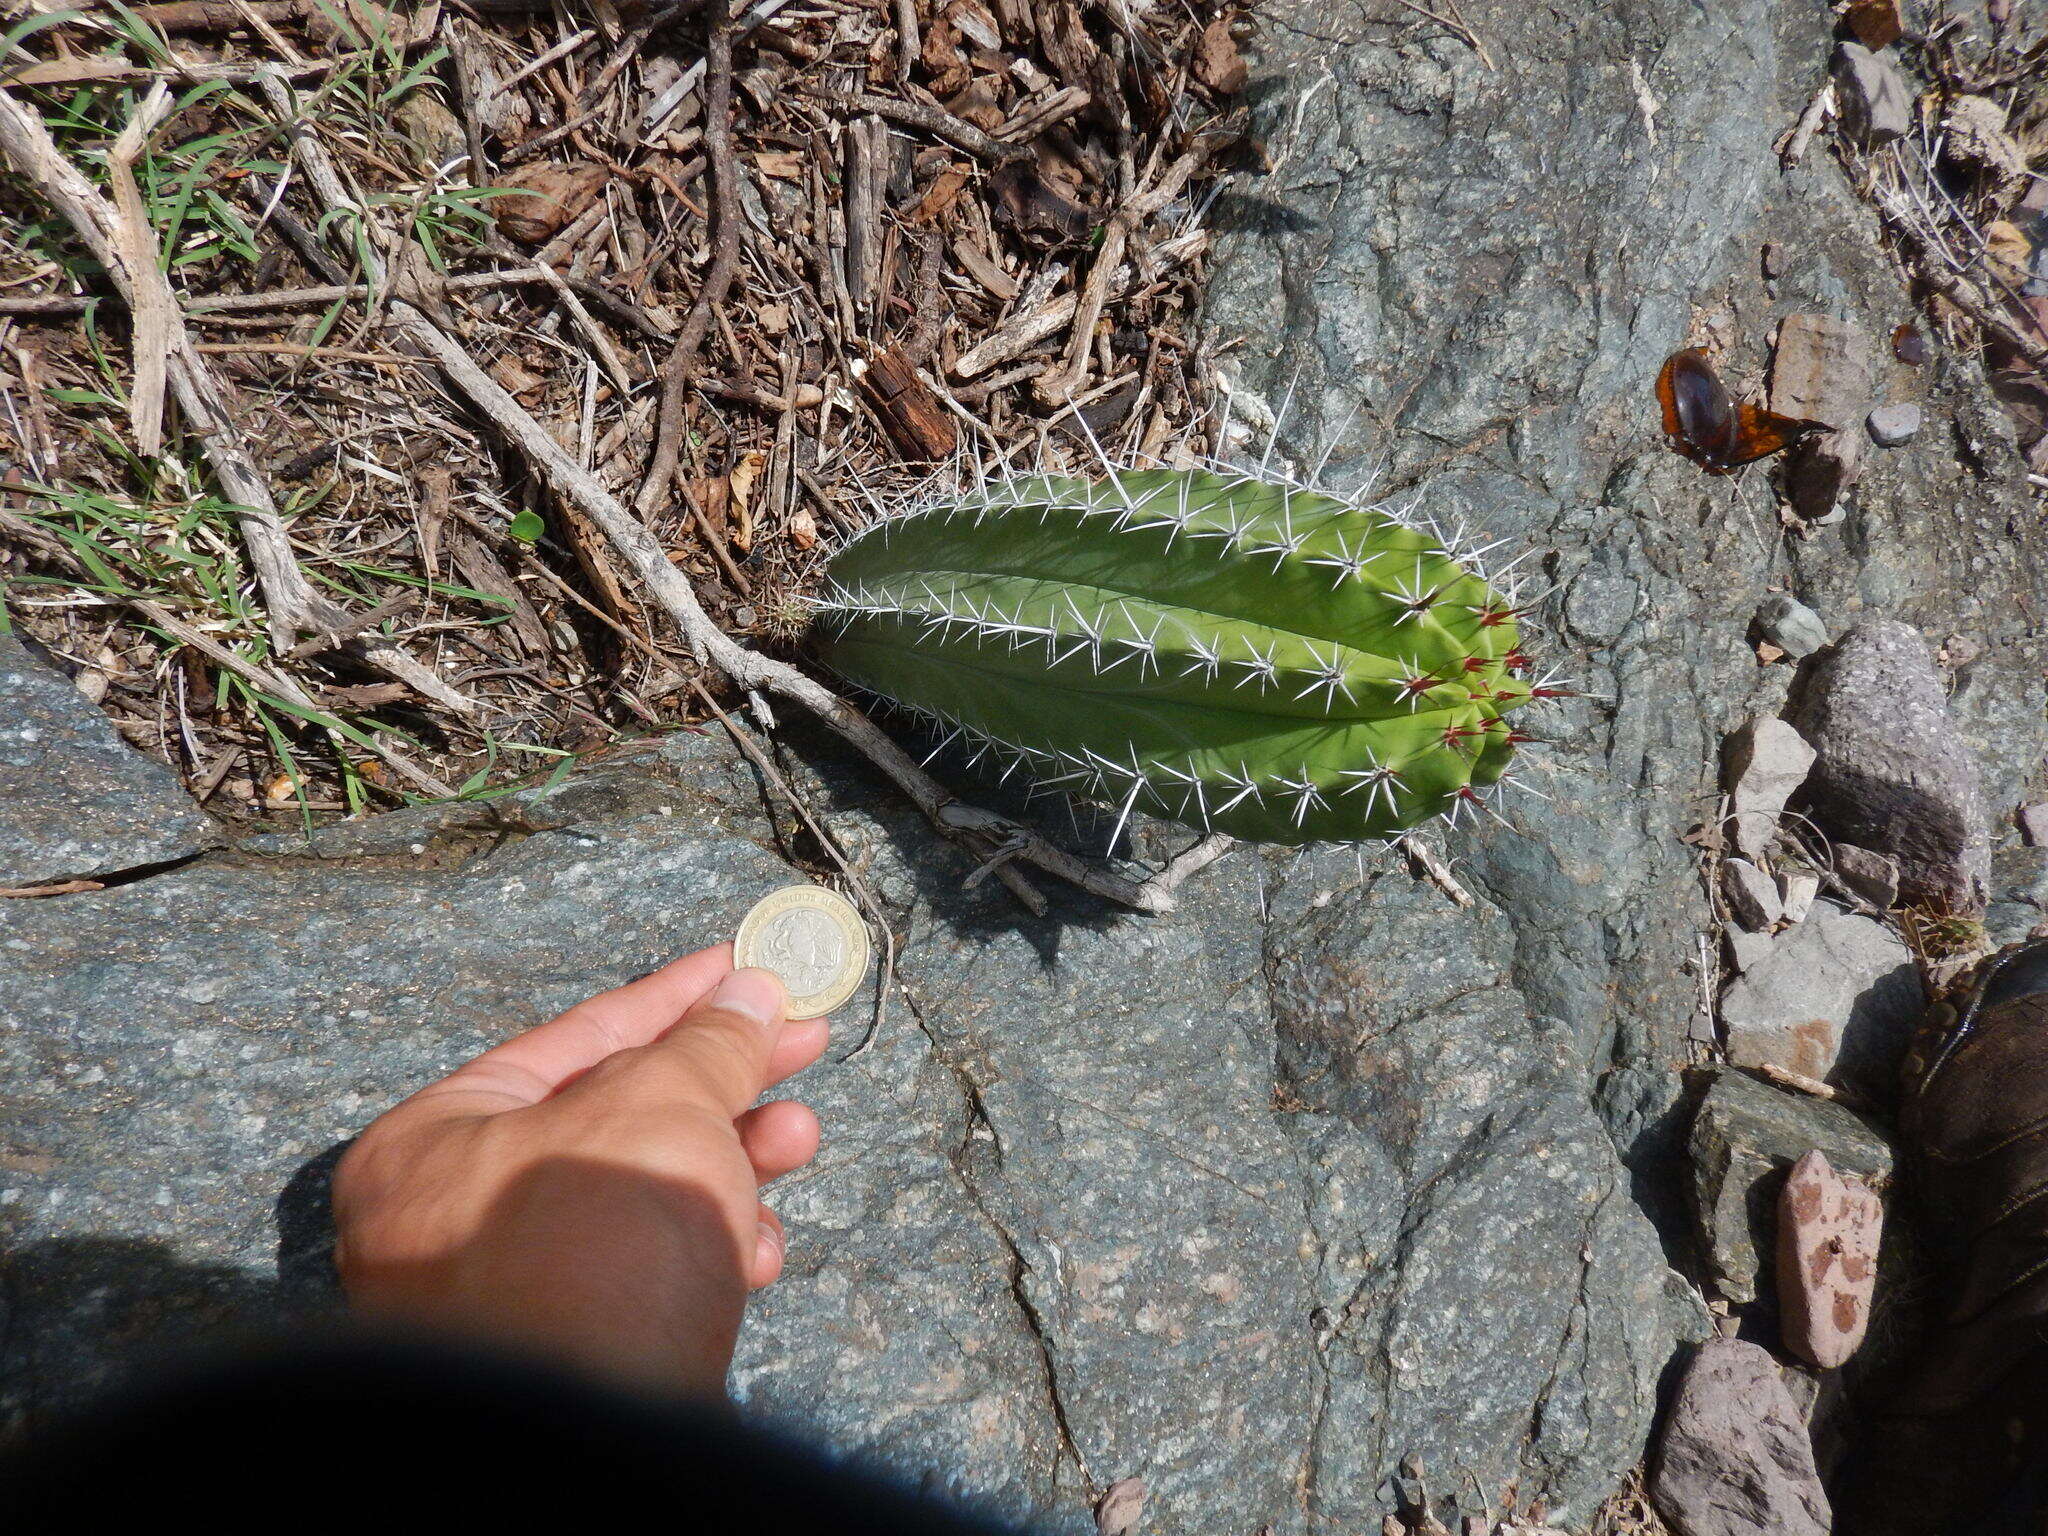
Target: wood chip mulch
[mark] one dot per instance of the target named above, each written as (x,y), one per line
(754,270)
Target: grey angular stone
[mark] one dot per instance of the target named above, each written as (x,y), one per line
(1876,104)
(1734,1459)
(1752,895)
(1745,949)
(1835,999)
(2033,823)
(1873,876)
(1766,762)
(1790,625)
(1798,888)
(75,799)
(1893,426)
(1745,1135)
(1889,774)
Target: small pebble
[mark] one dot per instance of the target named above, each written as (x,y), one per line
(1909,346)
(1873,876)
(1798,890)
(1829,1226)
(1892,425)
(1790,625)
(2033,820)
(1752,895)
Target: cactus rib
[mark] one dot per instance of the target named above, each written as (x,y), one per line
(1243,655)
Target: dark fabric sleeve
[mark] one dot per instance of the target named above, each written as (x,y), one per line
(378,1430)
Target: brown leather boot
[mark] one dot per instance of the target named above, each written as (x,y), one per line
(1957,1429)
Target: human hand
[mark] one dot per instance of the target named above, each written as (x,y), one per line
(589,1190)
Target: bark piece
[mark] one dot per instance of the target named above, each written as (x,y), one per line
(917,422)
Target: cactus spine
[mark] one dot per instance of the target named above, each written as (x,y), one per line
(1245,656)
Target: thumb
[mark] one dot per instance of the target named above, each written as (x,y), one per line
(717,1054)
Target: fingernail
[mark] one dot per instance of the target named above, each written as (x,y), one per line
(769,1235)
(752,994)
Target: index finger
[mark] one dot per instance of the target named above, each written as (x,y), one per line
(528,1067)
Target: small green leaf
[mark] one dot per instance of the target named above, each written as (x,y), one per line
(526,527)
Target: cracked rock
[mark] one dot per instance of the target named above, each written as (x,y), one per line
(1734,1459)
(1889,773)
(1767,761)
(1745,1136)
(1834,1000)
(75,799)
(1870,875)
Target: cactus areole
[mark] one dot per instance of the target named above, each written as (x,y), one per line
(1247,657)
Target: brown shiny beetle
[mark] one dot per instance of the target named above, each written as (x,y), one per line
(1715,431)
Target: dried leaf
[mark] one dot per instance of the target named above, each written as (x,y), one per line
(1217,62)
(944,191)
(802,528)
(544,198)
(1874,23)
(740,486)
(786,164)
(2009,251)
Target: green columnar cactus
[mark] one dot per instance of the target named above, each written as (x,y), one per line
(1221,650)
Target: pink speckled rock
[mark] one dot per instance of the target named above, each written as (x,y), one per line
(1828,1230)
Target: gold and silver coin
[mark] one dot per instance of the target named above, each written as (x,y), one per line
(814,939)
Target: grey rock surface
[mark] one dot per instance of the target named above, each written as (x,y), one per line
(1893,426)
(1247,1207)
(1745,1135)
(1767,761)
(1835,999)
(1887,775)
(2019,894)
(1790,625)
(75,799)
(1320,1172)
(1734,1459)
